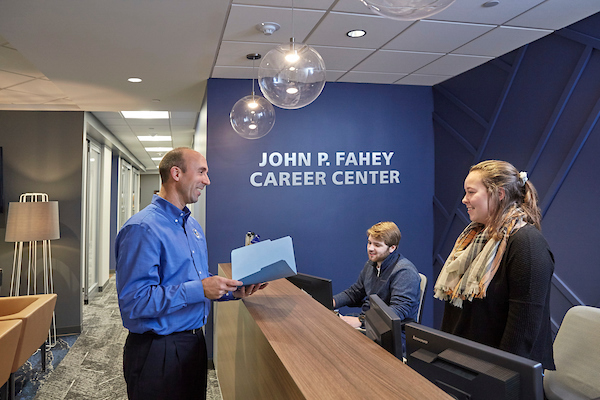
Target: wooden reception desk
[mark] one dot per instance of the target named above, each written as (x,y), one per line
(281,344)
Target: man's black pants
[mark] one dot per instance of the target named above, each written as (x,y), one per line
(165,367)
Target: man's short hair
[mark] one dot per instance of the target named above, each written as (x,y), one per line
(387,232)
(173,158)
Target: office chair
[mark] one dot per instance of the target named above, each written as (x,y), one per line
(577,357)
(423,286)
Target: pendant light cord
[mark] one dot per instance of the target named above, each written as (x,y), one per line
(293,32)
(253,79)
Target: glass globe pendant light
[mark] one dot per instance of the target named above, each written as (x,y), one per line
(252,117)
(292,75)
(407,10)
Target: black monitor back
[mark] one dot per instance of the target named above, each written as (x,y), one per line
(384,326)
(318,288)
(470,370)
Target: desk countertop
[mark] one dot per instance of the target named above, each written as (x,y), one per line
(325,356)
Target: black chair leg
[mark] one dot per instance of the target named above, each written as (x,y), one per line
(43,354)
(11,388)
(8,390)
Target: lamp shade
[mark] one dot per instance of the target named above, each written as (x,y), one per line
(252,117)
(31,221)
(292,75)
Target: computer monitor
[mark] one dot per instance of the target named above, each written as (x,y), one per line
(469,370)
(318,288)
(384,326)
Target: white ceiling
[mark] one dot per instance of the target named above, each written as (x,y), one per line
(76,55)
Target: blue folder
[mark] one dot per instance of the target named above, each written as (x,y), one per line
(263,261)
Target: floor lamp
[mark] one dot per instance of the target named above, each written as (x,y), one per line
(32,220)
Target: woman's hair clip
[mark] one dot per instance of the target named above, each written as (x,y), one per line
(523,177)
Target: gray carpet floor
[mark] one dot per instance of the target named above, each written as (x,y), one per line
(93,367)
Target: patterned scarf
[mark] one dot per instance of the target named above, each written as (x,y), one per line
(474,260)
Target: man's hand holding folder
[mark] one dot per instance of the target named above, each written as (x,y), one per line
(216,287)
(247,290)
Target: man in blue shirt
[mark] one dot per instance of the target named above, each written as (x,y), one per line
(165,289)
(387,274)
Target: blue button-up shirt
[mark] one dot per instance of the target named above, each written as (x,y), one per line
(161,261)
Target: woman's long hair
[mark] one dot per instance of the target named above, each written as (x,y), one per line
(519,192)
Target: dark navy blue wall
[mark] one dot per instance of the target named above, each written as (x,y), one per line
(327,222)
(536,107)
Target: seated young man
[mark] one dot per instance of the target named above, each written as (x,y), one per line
(387,274)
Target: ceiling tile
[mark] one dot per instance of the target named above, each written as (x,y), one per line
(453,64)
(332,30)
(422,80)
(132,122)
(38,106)
(12,61)
(342,58)
(40,87)
(241,25)
(233,54)
(65,101)
(188,116)
(501,40)
(148,131)
(185,123)
(353,6)
(332,76)
(176,130)
(437,36)
(556,14)
(403,62)
(8,96)
(113,123)
(128,137)
(370,77)
(156,132)
(313,4)
(162,131)
(8,79)
(472,11)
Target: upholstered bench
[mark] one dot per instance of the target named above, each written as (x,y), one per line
(10,332)
(35,313)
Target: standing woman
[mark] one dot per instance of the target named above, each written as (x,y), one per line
(496,281)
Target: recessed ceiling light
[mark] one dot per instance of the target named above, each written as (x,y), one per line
(158,149)
(156,158)
(154,138)
(146,114)
(134,80)
(356,33)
